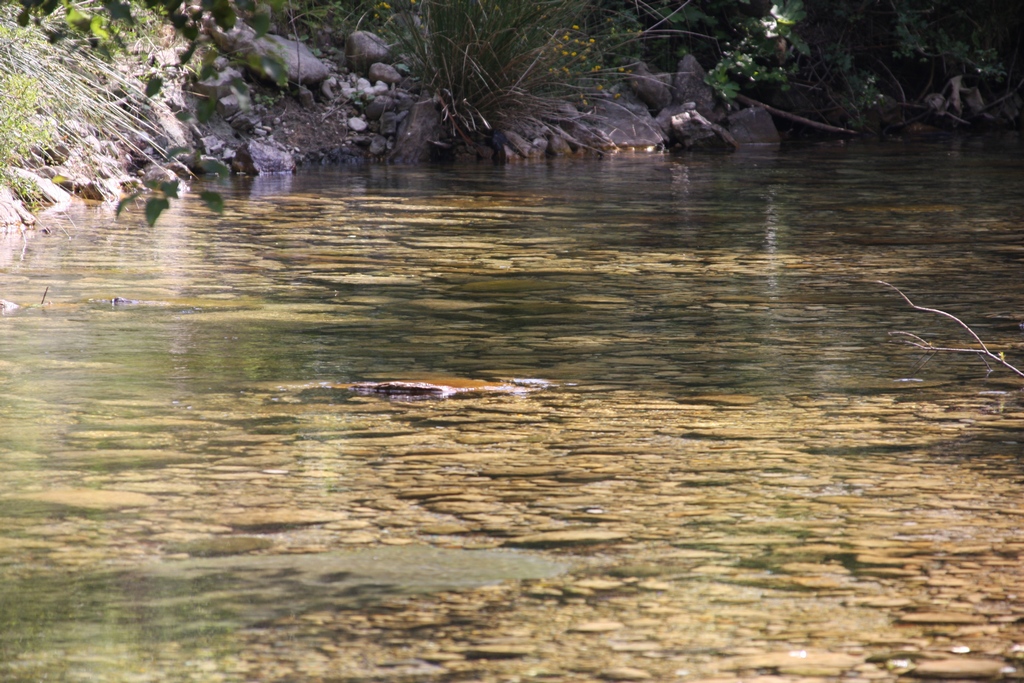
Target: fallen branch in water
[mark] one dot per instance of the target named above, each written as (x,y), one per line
(982,352)
(797,119)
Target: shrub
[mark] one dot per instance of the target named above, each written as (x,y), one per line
(494,63)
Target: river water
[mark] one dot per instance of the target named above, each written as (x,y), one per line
(733,471)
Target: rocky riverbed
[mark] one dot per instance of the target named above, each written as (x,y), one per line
(698,544)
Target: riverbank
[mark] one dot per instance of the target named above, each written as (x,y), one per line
(356,103)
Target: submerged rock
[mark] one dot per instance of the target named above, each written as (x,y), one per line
(446,388)
(90,499)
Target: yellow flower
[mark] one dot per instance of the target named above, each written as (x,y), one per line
(575,27)
(564,53)
(591,40)
(573,54)
(618,95)
(600,87)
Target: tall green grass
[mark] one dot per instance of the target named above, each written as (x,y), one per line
(496,63)
(60,92)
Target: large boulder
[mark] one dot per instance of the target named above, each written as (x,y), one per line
(57,198)
(262,158)
(301,65)
(364,49)
(688,85)
(417,135)
(691,129)
(625,123)
(651,88)
(13,217)
(752,126)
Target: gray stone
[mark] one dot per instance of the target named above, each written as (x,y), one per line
(357,125)
(244,122)
(217,87)
(362,49)
(753,126)
(261,158)
(664,117)
(228,106)
(306,97)
(414,142)
(328,88)
(374,110)
(691,129)
(155,173)
(301,65)
(518,144)
(558,146)
(625,123)
(651,88)
(58,198)
(378,145)
(386,73)
(212,145)
(688,85)
(13,215)
(388,123)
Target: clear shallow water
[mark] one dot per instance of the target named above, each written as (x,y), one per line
(732,446)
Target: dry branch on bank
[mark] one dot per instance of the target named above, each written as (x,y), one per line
(982,351)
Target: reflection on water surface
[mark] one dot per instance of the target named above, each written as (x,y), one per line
(733,468)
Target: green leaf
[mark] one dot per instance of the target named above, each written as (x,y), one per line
(206,109)
(77,19)
(177,151)
(213,200)
(97,28)
(154,207)
(170,188)
(126,201)
(214,166)
(223,13)
(261,24)
(272,68)
(153,86)
(241,92)
(119,11)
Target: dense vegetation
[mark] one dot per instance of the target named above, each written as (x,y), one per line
(873,65)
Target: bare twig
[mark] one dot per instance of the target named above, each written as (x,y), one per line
(982,352)
(45,292)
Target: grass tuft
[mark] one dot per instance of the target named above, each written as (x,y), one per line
(499,63)
(57,94)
